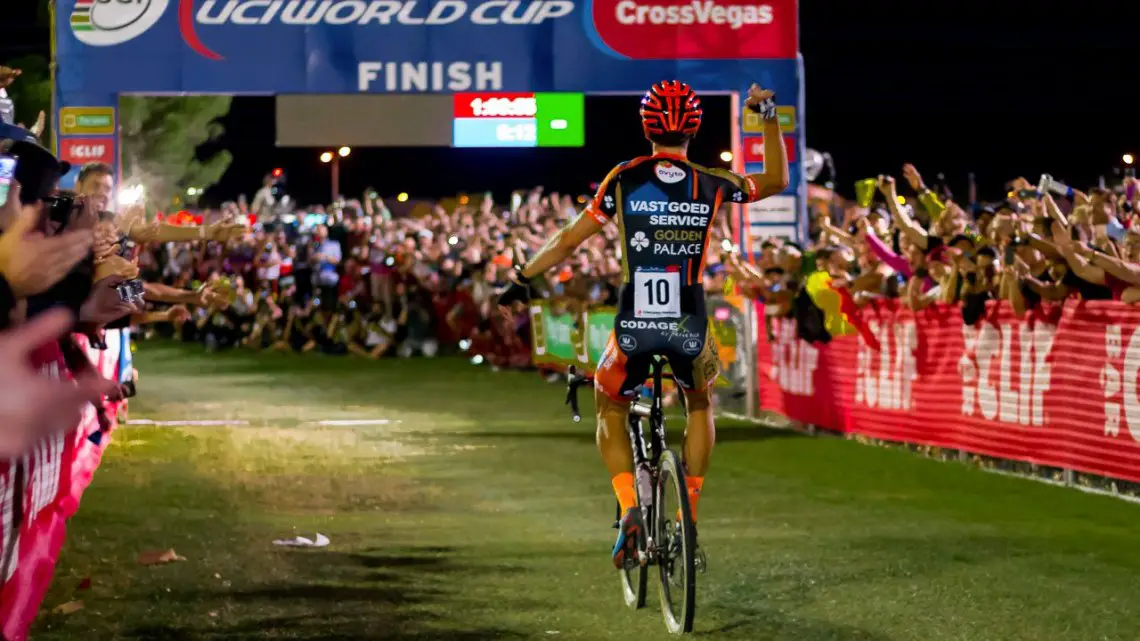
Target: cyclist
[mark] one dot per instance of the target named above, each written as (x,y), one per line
(664,206)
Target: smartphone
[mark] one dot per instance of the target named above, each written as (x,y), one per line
(1074,233)
(7,174)
(1010,250)
(1028,193)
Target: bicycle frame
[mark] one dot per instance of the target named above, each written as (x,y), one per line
(646,456)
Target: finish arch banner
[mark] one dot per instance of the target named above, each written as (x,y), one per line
(106,48)
(1059,387)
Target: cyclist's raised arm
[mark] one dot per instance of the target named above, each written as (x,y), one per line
(591,221)
(775,177)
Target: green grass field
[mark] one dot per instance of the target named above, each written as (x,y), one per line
(482,512)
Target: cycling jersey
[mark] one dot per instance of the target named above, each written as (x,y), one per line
(664,206)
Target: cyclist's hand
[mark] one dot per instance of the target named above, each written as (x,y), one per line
(761,101)
(519,291)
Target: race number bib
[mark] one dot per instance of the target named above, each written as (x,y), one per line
(657,294)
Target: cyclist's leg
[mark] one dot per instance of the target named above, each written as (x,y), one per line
(698,374)
(612,382)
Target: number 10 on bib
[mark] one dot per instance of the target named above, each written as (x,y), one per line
(657,294)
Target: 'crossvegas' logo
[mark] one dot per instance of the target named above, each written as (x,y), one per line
(103,23)
(696,29)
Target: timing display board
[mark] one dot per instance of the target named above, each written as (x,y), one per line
(519,120)
(431,120)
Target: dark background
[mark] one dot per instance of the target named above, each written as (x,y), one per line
(1000,89)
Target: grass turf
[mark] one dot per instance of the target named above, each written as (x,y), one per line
(482,512)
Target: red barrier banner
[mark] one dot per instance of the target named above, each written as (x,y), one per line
(1058,387)
(38,493)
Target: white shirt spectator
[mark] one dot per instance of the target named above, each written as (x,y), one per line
(326,269)
(263,202)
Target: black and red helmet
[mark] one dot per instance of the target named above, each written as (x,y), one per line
(671,111)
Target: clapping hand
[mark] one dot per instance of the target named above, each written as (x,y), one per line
(30,261)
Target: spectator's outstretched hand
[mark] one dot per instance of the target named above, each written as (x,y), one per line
(106,240)
(209,297)
(224,233)
(913,178)
(37,128)
(115,266)
(29,261)
(887,186)
(103,304)
(32,405)
(177,315)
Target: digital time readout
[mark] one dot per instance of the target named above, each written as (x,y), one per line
(519,120)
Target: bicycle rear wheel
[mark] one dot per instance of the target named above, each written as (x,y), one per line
(675,541)
(634,581)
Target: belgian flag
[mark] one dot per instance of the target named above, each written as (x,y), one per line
(823,312)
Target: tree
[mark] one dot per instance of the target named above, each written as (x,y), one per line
(32,91)
(170,143)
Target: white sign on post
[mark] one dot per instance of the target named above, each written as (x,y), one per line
(774,209)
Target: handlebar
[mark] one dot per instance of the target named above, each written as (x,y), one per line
(574,380)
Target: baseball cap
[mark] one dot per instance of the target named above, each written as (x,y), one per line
(37,169)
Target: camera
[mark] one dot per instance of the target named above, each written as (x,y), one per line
(131,291)
(60,207)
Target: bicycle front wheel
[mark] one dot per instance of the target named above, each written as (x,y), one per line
(675,542)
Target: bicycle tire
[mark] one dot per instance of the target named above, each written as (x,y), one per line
(676,543)
(634,581)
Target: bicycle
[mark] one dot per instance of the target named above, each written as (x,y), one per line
(668,543)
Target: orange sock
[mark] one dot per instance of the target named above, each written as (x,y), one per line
(623,488)
(694,484)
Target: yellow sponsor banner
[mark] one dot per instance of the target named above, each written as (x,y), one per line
(86,120)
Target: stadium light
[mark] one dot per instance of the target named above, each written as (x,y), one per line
(1128,159)
(581,199)
(402,197)
(463,200)
(326,156)
(726,156)
(344,151)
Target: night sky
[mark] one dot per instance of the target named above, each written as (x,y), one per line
(996,88)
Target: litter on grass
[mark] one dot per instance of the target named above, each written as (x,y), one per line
(302,542)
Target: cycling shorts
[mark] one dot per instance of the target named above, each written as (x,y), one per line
(687,345)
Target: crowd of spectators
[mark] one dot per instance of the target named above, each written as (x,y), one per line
(352,278)
(1043,242)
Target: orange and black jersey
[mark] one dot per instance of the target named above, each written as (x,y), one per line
(665,206)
